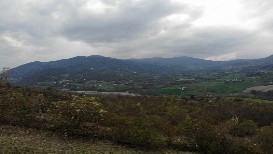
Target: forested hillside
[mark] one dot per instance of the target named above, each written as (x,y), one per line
(150,76)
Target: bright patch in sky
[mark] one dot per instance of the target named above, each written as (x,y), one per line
(176,19)
(229,56)
(220,13)
(96,6)
(12,41)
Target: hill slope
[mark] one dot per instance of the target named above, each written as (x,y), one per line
(82,70)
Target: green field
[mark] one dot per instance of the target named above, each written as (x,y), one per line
(215,84)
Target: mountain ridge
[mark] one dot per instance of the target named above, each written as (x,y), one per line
(96,67)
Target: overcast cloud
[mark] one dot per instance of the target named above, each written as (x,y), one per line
(32,30)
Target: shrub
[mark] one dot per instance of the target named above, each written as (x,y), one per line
(242,145)
(78,113)
(246,128)
(139,135)
(207,137)
(186,125)
(265,139)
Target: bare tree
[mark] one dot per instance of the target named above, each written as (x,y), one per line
(4,76)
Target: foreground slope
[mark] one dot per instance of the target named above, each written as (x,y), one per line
(26,140)
(210,125)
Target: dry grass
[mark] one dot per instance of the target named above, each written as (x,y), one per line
(24,140)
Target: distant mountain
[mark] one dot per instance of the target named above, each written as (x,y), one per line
(81,69)
(183,63)
(84,68)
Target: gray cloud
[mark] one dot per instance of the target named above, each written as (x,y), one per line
(127,20)
(191,42)
(49,30)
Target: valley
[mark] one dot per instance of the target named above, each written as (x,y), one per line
(177,105)
(136,76)
(179,76)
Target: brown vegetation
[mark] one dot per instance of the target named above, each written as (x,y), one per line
(227,125)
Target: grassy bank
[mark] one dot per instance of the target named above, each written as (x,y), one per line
(25,140)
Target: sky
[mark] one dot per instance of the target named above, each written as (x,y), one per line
(32,30)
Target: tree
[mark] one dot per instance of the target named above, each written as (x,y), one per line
(4,76)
